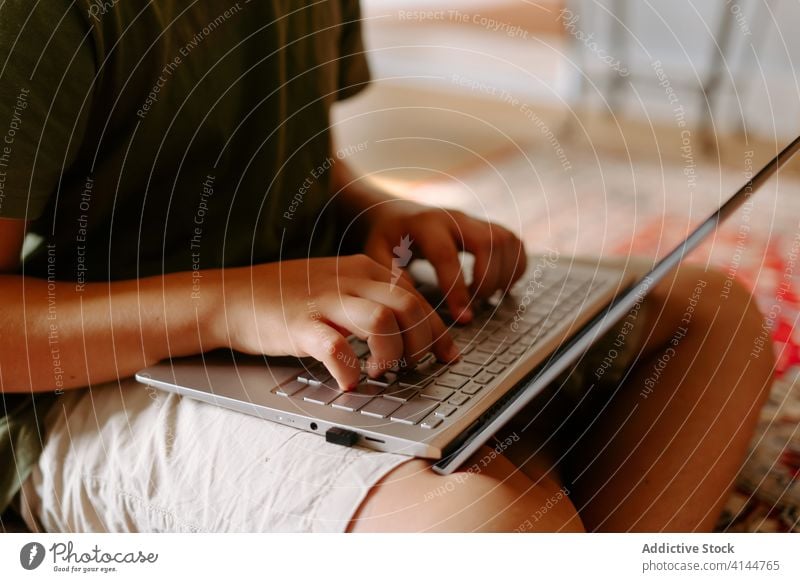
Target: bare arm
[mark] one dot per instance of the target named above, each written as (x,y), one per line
(55,337)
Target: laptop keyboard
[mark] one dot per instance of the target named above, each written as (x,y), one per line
(432,393)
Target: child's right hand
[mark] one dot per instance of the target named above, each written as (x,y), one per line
(309,307)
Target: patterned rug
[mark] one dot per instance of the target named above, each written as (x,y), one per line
(605,205)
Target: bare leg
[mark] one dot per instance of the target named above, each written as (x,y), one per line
(499,498)
(656,459)
(664,453)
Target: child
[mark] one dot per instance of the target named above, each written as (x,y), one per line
(172,164)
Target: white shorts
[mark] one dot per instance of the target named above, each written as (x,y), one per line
(124,457)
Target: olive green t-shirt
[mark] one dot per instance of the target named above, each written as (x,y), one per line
(143,137)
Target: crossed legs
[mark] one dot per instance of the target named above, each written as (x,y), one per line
(659,453)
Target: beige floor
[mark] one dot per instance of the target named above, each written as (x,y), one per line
(498,162)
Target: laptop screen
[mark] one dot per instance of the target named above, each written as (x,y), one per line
(572,350)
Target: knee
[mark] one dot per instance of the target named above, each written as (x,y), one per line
(708,297)
(730,305)
(496,498)
(504,501)
(725,312)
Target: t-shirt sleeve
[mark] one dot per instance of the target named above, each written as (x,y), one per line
(354,69)
(47,66)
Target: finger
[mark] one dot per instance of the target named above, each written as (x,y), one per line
(380,251)
(514,260)
(366,266)
(374,322)
(481,240)
(409,312)
(520,261)
(440,249)
(323,343)
(487,271)
(443,346)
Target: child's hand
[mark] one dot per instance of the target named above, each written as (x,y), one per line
(440,235)
(309,307)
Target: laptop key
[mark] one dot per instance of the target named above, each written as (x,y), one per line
(413,411)
(290,388)
(319,393)
(504,335)
(380,407)
(445,410)
(465,369)
(400,393)
(385,379)
(479,359)
(493,348)
(483,378)
(542,309)
(351,401)
(533,337)
(458,399)
(314,375)
(357,397)
(495,368)
(431,368)
(414,379)
(436,393)
(367,389)
(451,380)
(431,421)
(491,343)
(483,337)
(517,349)
(507,359)
(472,388)
(468,333)
(527,325)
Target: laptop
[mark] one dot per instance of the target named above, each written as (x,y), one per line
(516,345)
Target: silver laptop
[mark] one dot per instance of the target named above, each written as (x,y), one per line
(514,348)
